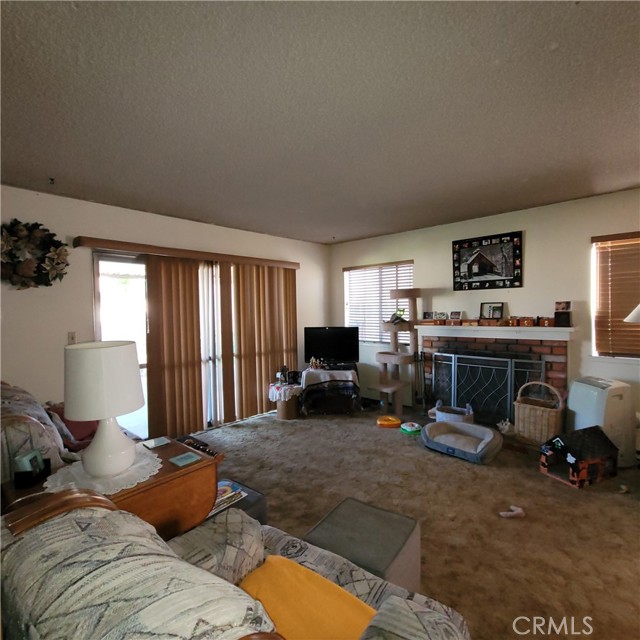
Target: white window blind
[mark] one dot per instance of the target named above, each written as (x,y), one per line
(367,301)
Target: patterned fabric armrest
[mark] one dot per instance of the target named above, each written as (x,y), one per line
(95,574)
(34,510)
(371,589)
(401,619)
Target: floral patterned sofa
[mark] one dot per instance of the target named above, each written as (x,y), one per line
(25,426)
(96,573)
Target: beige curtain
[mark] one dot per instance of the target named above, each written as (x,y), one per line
(264,333)
(173,343)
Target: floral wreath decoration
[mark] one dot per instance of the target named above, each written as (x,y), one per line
(31,255)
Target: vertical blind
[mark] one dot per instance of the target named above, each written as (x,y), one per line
(367,300)
(173,347)
(264,332)
(617,272)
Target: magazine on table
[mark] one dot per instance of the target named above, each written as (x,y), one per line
(228,493)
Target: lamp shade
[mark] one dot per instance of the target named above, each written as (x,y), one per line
(634,316)
(101,380)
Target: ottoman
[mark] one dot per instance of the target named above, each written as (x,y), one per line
(384,543)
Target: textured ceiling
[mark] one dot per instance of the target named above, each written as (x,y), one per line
(322,121)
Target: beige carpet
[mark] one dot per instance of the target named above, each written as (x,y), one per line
(576,554)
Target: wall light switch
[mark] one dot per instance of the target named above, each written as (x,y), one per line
(71,337)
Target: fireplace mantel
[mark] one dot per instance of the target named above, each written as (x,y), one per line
(513,333)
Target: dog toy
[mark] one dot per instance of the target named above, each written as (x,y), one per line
(390,422)
(412,428)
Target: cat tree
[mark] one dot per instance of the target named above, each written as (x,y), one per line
(389,362)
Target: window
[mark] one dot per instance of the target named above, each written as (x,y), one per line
(367,300)
(121,314)
(616,278)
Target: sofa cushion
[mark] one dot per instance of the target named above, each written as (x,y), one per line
(228,545)
(303,604)
(93,573)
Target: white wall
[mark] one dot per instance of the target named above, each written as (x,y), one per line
(557,258)
(556,267)
(35,322)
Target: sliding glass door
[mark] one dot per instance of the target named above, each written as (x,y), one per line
(121,314)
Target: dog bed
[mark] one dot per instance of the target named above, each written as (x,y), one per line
(471,442)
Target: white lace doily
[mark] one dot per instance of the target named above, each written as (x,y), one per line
(279,392)
(145,465)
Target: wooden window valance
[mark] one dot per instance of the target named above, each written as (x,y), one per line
(105,244)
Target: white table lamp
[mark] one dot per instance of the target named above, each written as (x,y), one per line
(101,382)
(634,316)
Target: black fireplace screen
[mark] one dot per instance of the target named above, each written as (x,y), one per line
(490,385)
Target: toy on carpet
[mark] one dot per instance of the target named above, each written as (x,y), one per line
(412,428)
(389,422)
(514,512)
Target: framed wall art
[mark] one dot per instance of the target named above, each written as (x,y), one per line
(488,262)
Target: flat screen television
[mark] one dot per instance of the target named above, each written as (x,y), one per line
(332,344)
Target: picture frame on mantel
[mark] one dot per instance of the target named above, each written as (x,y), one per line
(491,310)
(488,262)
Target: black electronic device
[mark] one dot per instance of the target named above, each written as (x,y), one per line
(332,344)
(195,443)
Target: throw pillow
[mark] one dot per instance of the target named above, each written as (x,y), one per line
(81,430)
(229,545)
(303,604)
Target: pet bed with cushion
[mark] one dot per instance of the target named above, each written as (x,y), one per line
(471,442)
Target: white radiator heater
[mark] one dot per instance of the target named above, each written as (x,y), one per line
(606,403)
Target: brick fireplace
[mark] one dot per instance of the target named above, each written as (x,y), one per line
(544,345)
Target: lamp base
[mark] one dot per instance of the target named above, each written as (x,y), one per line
(110,451)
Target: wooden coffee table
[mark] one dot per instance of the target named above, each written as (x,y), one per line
(174,500)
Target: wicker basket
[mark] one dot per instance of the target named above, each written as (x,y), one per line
(538,420)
